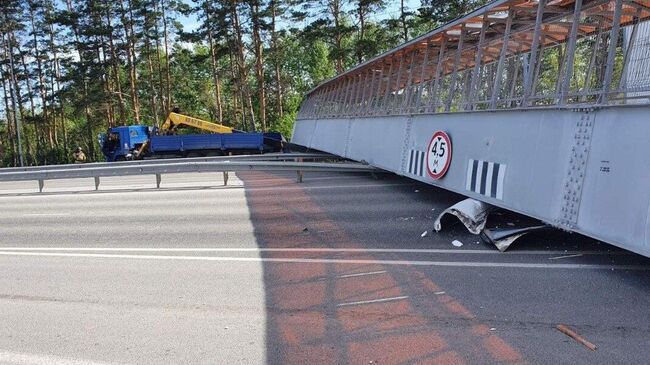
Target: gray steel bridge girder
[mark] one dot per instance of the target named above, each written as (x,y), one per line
(578,169)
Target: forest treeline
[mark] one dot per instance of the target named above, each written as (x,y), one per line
(71,69)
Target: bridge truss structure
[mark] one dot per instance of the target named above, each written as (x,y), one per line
(546,103)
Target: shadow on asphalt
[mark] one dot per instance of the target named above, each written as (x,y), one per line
(369,312)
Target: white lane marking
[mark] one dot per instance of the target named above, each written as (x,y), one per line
(7,357)
(372,301)
(565,257)
(336,261)
(307,249)
(361,274)
(46,214)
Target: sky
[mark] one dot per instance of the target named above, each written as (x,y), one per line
(191,22)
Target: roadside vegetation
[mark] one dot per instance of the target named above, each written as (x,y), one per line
(70,69)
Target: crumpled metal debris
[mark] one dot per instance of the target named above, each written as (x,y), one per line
(502,238)
(472,213)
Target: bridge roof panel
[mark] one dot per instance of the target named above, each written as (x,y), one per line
(555,29)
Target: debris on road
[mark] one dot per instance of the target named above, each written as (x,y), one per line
(424,233)
(571,333)
(502,238)
(472,214)
(417,191)
(457,243)
(439,293)
(405,218)
(305,229)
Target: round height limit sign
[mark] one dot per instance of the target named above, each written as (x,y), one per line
(439,155)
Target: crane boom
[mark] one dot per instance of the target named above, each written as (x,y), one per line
(175,119)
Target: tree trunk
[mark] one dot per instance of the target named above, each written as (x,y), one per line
(259,62)
(89,127)
(335,9)
(152,87)
(167,72)
(7,101)
(41,82)
(215,70)
(115,68)
(14,91)
(405,29)
(276,62)
(164,103)
(126,16)
(30,154)
(362,29)
(56,66)
(241,65)
(236,91)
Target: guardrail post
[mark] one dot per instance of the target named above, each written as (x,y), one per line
(298,172)
(41,183)
(158,178)
(96,183)
(225,178)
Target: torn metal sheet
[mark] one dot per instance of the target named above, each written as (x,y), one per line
(502,238)
(472,213)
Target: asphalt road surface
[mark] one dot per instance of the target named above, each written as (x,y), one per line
(335,270)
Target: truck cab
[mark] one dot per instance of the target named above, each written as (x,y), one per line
(119,143)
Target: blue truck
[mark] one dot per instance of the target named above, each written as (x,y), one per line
(139,141)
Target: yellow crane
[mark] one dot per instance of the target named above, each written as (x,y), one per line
(174,120)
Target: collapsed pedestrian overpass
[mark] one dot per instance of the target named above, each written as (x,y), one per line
(540,107)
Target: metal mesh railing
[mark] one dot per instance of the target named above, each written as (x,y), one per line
(510,54)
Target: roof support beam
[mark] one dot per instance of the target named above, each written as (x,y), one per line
(628,50)
(504,50)
(534,58)
(571,47)
(454,72)
(422,77)
(611,52)
(477,63)
(436,77)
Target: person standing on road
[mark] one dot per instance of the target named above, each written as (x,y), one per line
(79,155)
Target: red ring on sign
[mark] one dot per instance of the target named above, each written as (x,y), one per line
(446,167)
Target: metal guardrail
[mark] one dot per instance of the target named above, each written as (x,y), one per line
(259,157)
(159,167)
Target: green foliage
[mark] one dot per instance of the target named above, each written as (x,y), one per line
(83,68)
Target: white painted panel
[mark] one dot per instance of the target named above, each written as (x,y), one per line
(379,141)
(330,135)
(615,203)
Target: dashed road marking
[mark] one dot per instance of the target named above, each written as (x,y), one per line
(361,274)
(46,214)
(8,357)
(382,300)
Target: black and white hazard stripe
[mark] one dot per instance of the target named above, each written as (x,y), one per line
(416,163)
(485,178)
